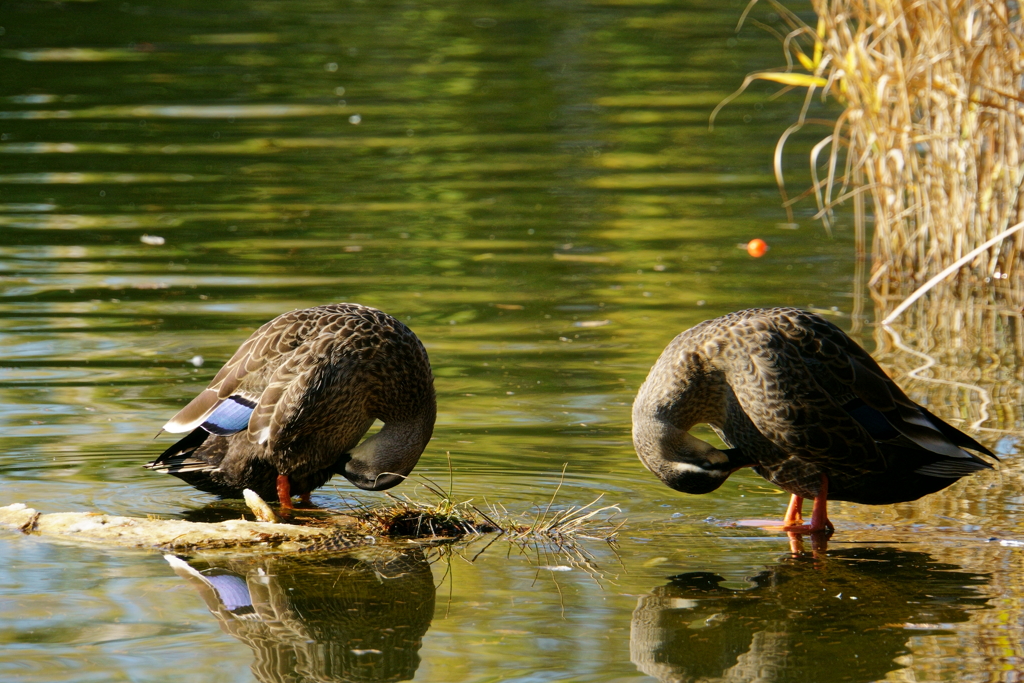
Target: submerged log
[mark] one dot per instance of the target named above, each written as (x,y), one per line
(178,535)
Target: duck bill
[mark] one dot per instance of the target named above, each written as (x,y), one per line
(382,481)
(692,479)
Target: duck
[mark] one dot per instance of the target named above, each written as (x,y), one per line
(287,411)
(795,398)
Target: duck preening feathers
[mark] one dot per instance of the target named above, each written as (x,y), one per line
(799,401)
(288,410)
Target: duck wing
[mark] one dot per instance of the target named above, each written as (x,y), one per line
(791,382)
(818,396)
(262,385)
(316,375)
(877,402)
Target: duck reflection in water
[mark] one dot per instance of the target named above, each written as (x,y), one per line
(355,617)
(853,610)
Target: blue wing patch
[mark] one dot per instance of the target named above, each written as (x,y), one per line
(231,416)
(233,593)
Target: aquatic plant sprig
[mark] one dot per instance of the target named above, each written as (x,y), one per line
(444,516)
(570,522)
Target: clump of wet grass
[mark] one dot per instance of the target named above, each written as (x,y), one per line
(443,516)
(548,539)
(563,525)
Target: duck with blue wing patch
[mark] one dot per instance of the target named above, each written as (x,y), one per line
(288,410)
(802,404)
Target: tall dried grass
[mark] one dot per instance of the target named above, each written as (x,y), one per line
(932,128)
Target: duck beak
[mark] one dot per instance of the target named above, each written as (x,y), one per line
(689,478)
(382,481)
(366,477)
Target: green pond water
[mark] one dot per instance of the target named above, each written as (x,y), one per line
(532,187)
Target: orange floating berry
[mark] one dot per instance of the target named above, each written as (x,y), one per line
(757,247)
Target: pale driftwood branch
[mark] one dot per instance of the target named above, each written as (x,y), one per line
(179,535)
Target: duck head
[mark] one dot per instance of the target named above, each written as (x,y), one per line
(683,462)
(386,458)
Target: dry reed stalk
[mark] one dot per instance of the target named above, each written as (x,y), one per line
(932,127)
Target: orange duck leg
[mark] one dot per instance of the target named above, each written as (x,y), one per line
(794,513)
(284,491)
(794,520)
(284,494)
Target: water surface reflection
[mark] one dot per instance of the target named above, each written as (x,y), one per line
(360,616)
(843,616)
(530,186)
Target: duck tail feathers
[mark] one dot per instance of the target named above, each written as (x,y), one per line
(956,436)
(178,455)
(953,468)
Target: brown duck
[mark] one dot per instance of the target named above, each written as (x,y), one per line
(287,412)
(799,401)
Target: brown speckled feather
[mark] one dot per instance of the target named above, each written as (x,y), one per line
(795,398)
(318,378)
(772,369)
